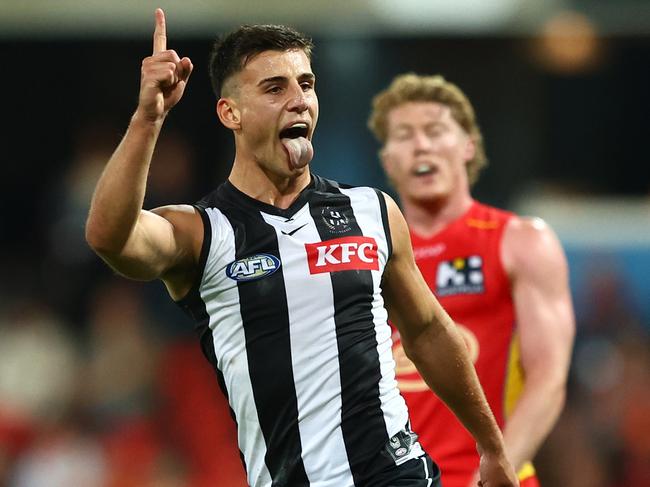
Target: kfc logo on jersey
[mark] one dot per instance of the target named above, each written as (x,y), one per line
(462,275)
(343,254)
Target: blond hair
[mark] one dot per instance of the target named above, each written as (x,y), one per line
(416,88)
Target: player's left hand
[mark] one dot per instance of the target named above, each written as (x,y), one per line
(496,471)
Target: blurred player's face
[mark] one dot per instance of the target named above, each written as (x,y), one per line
(278,109)
(426,152)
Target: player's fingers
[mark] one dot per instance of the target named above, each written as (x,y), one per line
(167,63)
(185,68)
(164,74)
(160,32)
(165,56)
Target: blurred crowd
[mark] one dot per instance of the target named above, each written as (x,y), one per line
(102,383)
(101,380)
(603,436)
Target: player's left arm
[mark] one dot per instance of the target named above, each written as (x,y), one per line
(538,270)
(432,342)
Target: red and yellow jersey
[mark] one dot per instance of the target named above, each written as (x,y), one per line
(462,265)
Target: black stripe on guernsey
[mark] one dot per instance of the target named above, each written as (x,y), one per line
(362,419)
(265,318)
(384,220)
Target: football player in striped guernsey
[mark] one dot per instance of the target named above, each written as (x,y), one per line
(502,278)
(290,278)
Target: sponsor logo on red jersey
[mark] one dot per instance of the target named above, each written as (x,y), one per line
(343,254)
(462,275)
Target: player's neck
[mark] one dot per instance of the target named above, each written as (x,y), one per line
(267,187)
(426,218)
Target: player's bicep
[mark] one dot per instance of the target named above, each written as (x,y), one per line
(160,242)
(541,296)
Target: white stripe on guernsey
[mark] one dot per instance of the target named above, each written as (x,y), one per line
(392,403)
(426,471)
(230,345)
(314,356)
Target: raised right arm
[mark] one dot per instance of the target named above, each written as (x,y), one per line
(140,244)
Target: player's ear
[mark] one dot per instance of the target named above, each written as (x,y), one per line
(470,149)
(229,113)
(387,164)
(386,160)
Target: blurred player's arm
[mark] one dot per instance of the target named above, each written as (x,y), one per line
(433,344)
(136,243)
(535,261)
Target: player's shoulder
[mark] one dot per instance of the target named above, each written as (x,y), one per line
(489,212)
(528,229)
(530,241)
(360,192)
(483,218)
(516,227)
(183,215)
(222,194)
(321,183)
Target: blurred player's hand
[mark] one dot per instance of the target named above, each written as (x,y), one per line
(164,76)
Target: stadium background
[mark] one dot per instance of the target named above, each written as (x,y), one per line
(96,372)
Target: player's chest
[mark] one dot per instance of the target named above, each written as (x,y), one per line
(309,245)
(466,270)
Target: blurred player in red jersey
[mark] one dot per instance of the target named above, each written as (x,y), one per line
(502,278)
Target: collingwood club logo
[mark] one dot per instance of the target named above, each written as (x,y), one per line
(335,220)
(254,267)
(462,275)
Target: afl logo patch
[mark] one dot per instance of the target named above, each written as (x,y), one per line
(254,267)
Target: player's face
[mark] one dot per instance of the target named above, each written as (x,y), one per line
(279,110)
(426,152)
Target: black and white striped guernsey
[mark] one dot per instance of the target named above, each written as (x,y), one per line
(290,314)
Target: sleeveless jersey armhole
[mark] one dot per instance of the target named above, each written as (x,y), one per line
(193,294)
(384,218)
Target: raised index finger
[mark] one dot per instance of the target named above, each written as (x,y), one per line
(160,33)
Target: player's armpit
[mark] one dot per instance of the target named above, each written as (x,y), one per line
(165,243)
